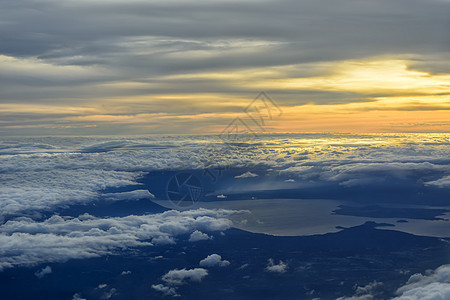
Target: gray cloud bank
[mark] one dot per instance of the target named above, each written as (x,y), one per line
(72,52)
(153,36)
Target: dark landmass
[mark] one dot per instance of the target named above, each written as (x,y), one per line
(321,266)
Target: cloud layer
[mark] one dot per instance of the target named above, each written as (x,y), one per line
(281,267)
(42,174)
(24,242)
(102,68)
(434,285)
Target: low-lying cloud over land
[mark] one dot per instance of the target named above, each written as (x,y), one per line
(175,278)
(24,242)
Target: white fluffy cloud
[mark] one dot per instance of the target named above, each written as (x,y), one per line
(199,236)
(26,242)
(176,278)
(214,260)
(433,286)
(281,267)
(183,276)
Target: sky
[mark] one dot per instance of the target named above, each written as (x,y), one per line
(193,66)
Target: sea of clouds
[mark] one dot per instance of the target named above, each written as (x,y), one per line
(40,175)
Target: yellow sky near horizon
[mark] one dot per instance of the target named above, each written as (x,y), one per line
(394,98)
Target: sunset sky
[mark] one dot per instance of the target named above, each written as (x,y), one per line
(192,66)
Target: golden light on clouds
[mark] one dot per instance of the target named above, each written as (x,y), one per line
(378,76)
(362,76)
(47,109)
(191,70)
(357,118)
(394,97)
(414,101)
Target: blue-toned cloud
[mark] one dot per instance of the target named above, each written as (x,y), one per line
(45,271)
(214,260)
(246,175)
(41,174)
(77,296)
(166,290)
(175,278)
(183,276)
(199,236)
(367,292)
(133,195)
(281,267)
(443,182)
(40,190)
(108,294)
